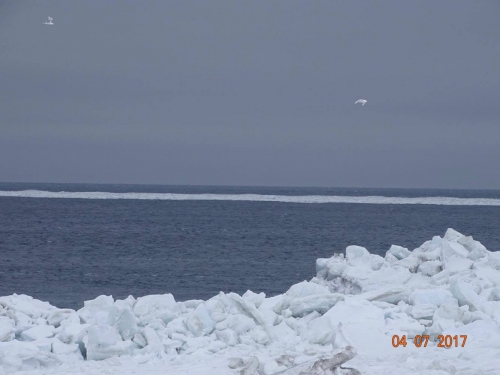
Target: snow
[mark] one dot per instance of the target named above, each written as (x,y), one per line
(447,201)
(340,322)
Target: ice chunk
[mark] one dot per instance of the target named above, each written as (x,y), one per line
(193,303)
(357,255)
(55,317)
(271,367)
(121,316)
(478,254)
(239,323)
(319,302)
(402,322)
(303,322)
(250,309)
(255,298)
(269,316)
(302,289)
(130,301)
(43,344)
(7,331)
(449,311)
(197,342)
(156,306)
(482,330)
(216,346)
(140,340)
(305,288)
(423,311)
(199,321)
(452,235)
(438,327)
(436,297)
(23,356)
(469,243)
(398,252)
(103,335)
(251,367)
(91,310)
(326,365)
(26,305)
(456,264)
(338,339)
(179,337)
(73,333)
(391,259)
(105,342)
(177,326)
(330,268)
(234,363)
(66,352)
(391,294)
(450,249)
(488,273)
(154,343)
(38,332)
(493,310)
(466,296)
(23,321)
(494,295)
(255,336)
(376,262)
(216,310)
(411,262)
(425,322)
(284,332)
(430,268)
(228,336)
(353,314)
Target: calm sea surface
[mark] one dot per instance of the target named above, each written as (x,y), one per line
(66,251)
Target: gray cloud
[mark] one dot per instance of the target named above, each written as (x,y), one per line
(260,93)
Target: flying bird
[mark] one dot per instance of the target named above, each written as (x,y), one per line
(49,21)
(361,101)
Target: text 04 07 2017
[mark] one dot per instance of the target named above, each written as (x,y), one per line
(422,340)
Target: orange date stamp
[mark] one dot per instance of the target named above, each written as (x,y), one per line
(422,340)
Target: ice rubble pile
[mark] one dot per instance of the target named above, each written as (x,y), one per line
(448,285)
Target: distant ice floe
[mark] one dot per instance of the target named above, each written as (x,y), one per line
(340,322)
(446,201)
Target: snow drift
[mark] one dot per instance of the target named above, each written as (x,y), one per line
(339,322)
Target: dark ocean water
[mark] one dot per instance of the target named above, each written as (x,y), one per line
(66,251)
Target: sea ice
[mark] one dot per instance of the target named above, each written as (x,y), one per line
(37,332)
(340,322)
(7,329)
(199,321)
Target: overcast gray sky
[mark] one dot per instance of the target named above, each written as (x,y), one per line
(251,92)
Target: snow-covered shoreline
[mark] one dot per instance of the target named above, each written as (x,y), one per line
(340,322)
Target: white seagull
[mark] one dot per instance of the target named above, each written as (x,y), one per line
(49,21)
(361,101)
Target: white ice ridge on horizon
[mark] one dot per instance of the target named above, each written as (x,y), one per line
(444,201)
(340,322)
(49,21)
(361,101)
